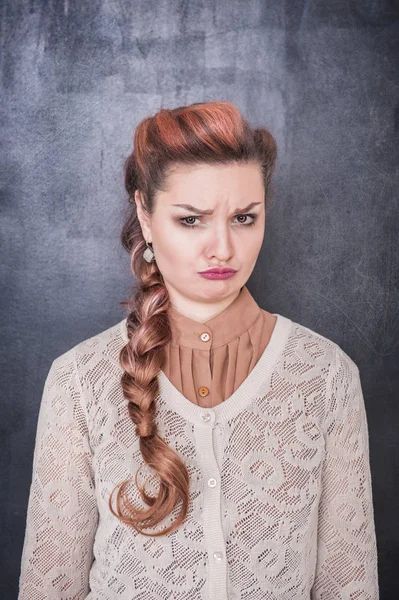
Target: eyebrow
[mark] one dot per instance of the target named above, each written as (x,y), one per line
(210,212)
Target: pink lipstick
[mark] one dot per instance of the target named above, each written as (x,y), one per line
(218,273)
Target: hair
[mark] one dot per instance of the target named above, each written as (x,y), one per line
(208,132)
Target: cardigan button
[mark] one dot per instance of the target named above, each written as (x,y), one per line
(203,391)
(205,337)
(206,417)
(218,555)
(212,482)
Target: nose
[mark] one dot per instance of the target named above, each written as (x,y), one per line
(220,246)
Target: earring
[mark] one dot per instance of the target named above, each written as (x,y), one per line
(148,253)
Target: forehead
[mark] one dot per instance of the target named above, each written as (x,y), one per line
(227,180)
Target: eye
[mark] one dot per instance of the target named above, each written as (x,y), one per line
(253,217)
(184,220)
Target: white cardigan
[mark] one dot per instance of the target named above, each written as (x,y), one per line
(281,499)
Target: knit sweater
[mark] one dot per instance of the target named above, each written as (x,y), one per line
(280,486)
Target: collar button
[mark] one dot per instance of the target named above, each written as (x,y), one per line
(205,337)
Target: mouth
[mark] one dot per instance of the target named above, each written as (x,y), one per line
(219,271)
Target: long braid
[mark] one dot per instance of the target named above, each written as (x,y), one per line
(149,331)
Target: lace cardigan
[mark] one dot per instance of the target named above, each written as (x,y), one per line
(280,485)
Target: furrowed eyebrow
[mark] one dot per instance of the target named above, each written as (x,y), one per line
(210,212)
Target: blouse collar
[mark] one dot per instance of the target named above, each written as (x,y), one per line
(231,323)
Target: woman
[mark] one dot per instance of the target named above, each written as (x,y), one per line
(202,447)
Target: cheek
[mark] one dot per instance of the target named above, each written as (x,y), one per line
(169,251)
(250,245)
(174,248)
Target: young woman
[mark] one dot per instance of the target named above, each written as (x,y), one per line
(202,447)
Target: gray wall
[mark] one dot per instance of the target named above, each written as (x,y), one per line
(77,76)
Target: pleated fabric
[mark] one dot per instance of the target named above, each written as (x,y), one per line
(208,361)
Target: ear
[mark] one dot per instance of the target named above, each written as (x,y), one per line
(142,216)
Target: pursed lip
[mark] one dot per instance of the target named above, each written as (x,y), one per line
(221,270)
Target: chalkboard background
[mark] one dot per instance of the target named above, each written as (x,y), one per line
(77,77)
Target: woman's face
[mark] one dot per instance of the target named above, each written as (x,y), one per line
(186,242)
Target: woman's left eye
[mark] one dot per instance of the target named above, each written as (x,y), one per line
(253,217)
(184,220)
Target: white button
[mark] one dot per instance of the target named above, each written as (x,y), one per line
(205,337)
(206,417)
(218,555)
(212,482)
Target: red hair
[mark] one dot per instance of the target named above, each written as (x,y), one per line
(212,133)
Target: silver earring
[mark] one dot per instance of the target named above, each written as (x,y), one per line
(148,253)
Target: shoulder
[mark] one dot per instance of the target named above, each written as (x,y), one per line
(102,348)
(324,374)
(312,347)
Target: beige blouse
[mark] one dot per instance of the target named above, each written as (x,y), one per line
(208,361)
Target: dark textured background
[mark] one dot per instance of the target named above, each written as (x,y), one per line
(77,76)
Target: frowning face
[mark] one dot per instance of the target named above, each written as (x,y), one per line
(209,216)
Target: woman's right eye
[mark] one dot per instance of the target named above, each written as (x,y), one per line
(183,219)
